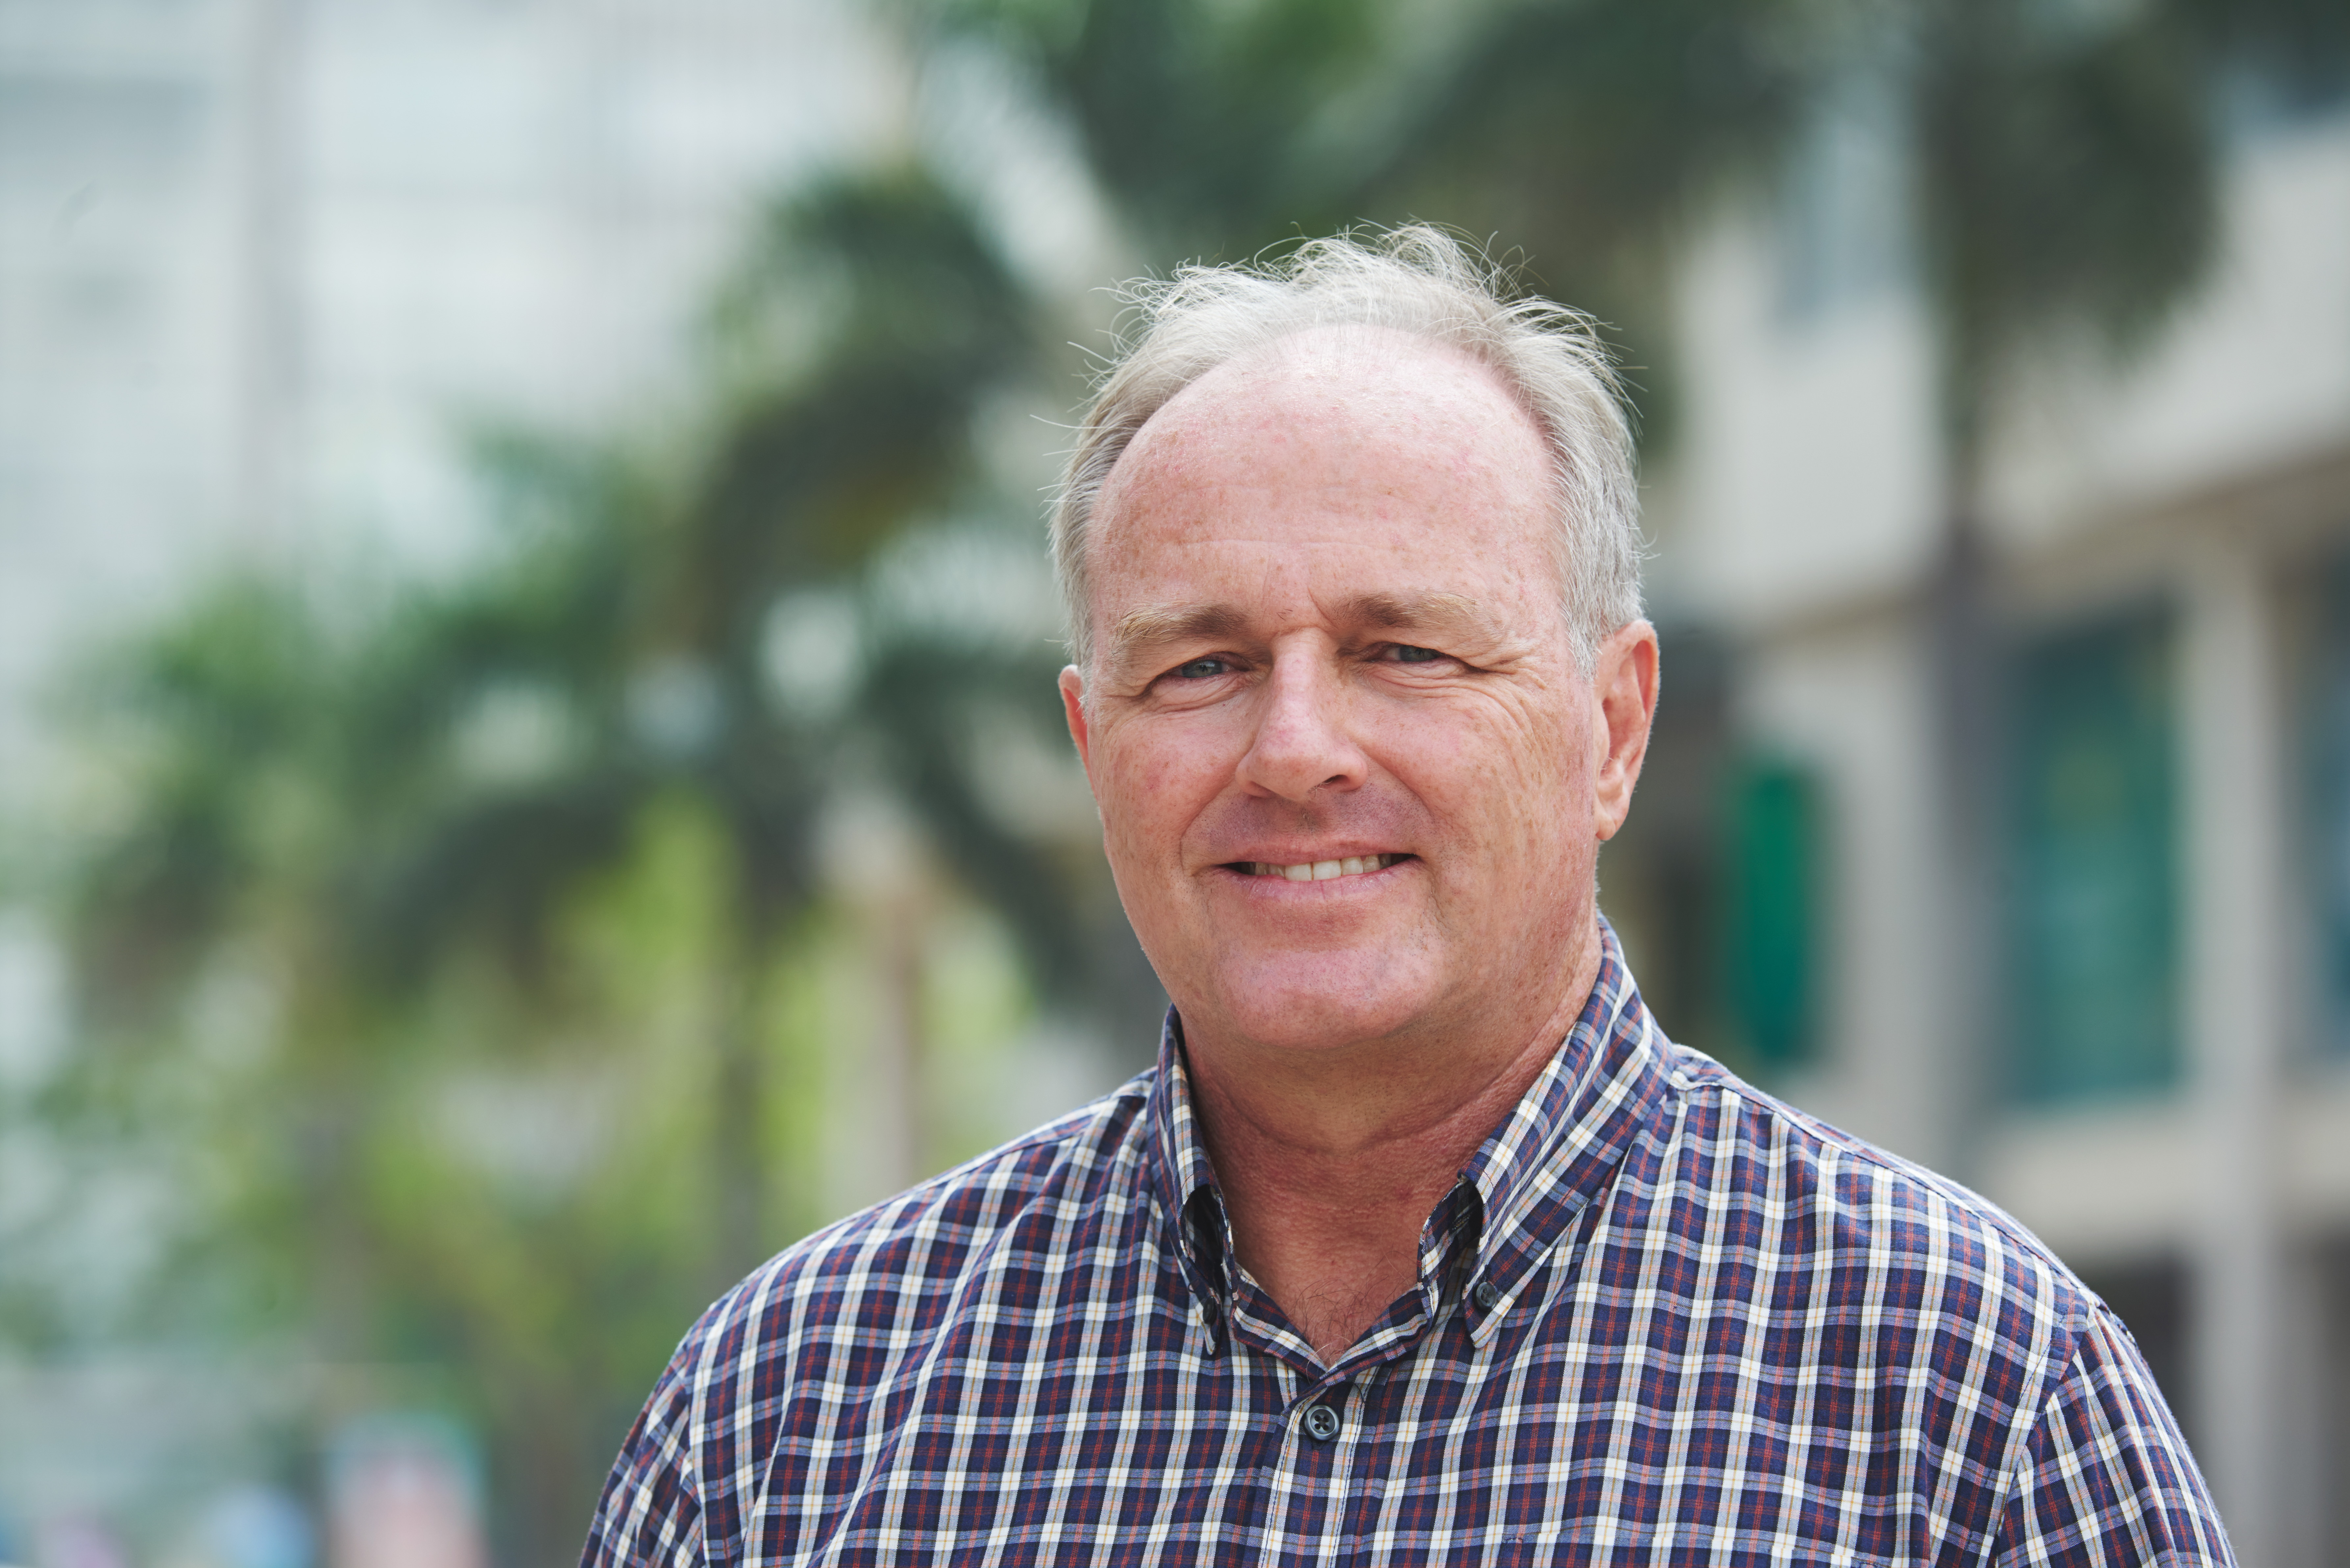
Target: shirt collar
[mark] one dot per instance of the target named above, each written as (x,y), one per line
(1522,1189)
(1181,1177)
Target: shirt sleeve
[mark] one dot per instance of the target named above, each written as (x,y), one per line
(2107,1480)
(650,1513)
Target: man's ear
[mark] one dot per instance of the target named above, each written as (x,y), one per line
(1073,703)
(1624,692)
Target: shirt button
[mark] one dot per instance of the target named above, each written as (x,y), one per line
(1486,1294)
(1321,1423)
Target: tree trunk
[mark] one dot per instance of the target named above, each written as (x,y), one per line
(1964,662)
(738,1113)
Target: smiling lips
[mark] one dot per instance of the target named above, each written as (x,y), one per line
(1322,870)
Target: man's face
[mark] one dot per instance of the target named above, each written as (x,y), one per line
(1351,781)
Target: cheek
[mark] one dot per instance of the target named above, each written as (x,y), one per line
(1507,760)
(1548,795)
(1152,786)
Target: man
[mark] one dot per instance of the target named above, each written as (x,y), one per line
(1421,1243)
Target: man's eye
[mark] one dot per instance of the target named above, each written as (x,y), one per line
(1203,670)
(1406,654)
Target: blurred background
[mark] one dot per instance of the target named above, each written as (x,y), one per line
(529,774)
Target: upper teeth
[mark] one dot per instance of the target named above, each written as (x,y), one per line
(1323,870)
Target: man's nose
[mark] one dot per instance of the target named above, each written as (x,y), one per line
(1303,743)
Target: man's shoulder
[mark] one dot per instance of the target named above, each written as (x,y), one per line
(1863,1209)
(889,1257)
(1897,1300)
(839,1312)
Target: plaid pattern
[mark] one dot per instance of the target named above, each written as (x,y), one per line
(1663,1318)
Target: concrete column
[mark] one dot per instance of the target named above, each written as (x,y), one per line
(2237,1024)
(269,175)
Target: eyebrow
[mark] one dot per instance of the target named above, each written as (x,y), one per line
(1139,631)
(1154,624)
(1441,613)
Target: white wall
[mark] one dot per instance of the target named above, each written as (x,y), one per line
(262,263)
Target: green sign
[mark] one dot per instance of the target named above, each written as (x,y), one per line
(1770,904)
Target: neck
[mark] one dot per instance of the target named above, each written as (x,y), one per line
(1330,1166)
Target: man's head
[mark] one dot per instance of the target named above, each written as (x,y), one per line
(1320,623)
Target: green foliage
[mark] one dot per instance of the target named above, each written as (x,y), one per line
(919,321)
(2068,180)
(1217,125)
(1590,131)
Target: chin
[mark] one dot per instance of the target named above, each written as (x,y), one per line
(1307,1003)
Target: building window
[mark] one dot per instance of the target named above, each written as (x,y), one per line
(2093,915)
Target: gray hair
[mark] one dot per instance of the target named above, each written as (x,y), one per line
(1417,280)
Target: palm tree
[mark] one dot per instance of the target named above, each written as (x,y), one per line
(813,474)
(403,809)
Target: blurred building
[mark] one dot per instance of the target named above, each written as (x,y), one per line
(263,262)
(2169,1101)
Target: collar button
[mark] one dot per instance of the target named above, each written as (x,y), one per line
(1485,1293)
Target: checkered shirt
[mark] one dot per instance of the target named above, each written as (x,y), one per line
(1661,1318)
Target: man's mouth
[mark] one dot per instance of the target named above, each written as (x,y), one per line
(1320,870)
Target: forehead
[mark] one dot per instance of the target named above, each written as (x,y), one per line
(1354,452)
